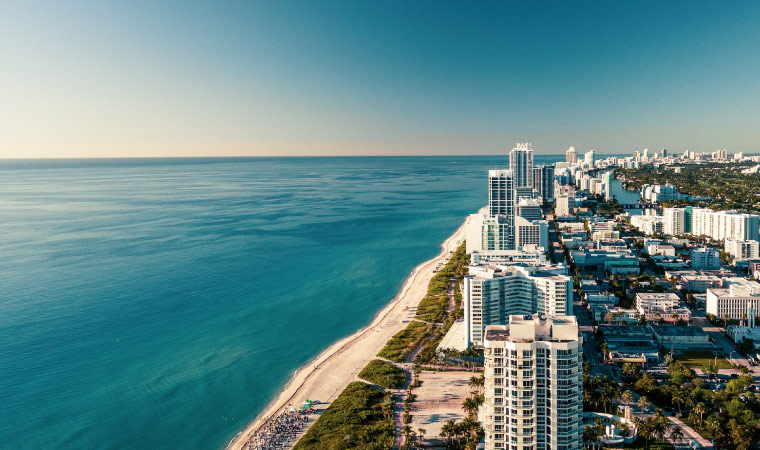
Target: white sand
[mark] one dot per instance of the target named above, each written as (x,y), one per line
(325,377)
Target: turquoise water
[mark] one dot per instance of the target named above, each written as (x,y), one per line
(160,303)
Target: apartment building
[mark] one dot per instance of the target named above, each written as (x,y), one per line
(533,384)
(492,293)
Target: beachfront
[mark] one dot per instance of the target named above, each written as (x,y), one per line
(325,377)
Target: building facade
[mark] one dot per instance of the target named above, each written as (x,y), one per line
(533,384)
(521,165)
(705,258)
(492,293)
(737,297)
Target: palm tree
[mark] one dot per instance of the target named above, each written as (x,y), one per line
(599,430)
(678,398)
(470,406)
(700,409)
(627,397)
(712,424)
(646,430)
(447,431)
(643,403)
(406,430)
(605,349)
(589,436)
(676,434)
(421,433)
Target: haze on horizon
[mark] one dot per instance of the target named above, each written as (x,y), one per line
(108,79)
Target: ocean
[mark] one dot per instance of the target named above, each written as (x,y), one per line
(162,303)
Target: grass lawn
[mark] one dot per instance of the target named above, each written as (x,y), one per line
(640,444)
(696,360)
(704,433)
(383,374)
(354,420)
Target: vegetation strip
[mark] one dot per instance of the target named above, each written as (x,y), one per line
(360,418)
(383,374)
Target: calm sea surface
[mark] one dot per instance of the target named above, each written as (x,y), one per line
(161,303)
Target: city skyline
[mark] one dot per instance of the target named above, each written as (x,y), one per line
(341,78)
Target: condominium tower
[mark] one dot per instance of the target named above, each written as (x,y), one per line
(492,293)
(533,384)
(501,193)
(521,165)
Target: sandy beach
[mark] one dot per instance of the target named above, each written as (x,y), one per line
(325,377)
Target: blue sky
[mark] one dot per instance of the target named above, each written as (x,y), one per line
(168,78)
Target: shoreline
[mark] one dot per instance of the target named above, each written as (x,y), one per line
(337,365)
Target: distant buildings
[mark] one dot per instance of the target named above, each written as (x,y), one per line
(543,182)
(533,384)
(659,193)
(588,158)
(571,157)
(492,293)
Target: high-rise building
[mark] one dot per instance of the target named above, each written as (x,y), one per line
(492,293)
(588,158)
(521,165)
(720,225)
(571,157)
(501,193)
(543,182)
(530,209)
(688,219)
(674,221)
(531,232)
(533,384)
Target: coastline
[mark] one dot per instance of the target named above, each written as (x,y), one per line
(324,377)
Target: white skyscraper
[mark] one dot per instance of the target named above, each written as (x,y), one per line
(533,384)
(571,157)
(492,293)
(501,193)
(588,158)
(521,165)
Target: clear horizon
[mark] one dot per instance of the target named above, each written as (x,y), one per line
(340,78)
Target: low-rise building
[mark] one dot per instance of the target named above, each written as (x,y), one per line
(611,314)
(680,337)
(630,343)
(742,250)
(734,299)
(661,249)
(699,283)
(615,262)
(601,299)
(661,307)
